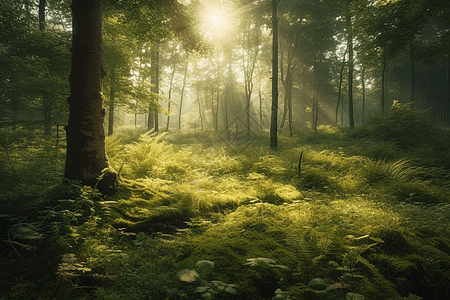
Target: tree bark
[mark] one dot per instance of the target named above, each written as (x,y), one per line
(274,110)
(86,158)
(42,24)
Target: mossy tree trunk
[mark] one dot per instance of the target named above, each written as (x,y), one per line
(86,157)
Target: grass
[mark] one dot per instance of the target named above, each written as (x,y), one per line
(368,215)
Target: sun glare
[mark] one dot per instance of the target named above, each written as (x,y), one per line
(215,21)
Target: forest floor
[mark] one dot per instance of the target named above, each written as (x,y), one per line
(199,215)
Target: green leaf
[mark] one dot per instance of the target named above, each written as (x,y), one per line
(204,266)
(186,263)
(230,290)
(187,275)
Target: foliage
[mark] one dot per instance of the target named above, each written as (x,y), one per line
(349,225)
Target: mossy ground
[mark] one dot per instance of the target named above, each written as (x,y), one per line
(369,213)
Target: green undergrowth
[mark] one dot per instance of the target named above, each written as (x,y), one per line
(363,215)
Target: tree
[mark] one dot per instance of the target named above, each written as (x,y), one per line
(274,109)
(86,158)
(186,65)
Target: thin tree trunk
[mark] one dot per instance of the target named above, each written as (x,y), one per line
(199,110)
(340,85)
(47,101)
(383,78)
(216,126)
(274,109)
(283,82)
(157,86)
(363,116)
(170,95)
(411,49)
(448,93)
(350,73)
(315,100)
(290,100)
(182,93)
(112,94)
(85,156)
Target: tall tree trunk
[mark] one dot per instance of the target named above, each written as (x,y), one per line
(157,86)
(363,81)
(182,93)
(112,95)
(248,64)
(411,49)
(216,124)
(151,111)
(290,106)
(340,85)
(46,100)
(448,93)
(283,82)
(383,83)
(199,110)
(170,95)
(274,109)
(86,157)
(315,100)
(350,72)
(42,23)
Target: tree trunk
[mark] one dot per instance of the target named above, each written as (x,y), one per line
(383,78)
(46,100)
(200,111)
(411,49)
(216,124)
(363,80)
(42,24)
(153,114)
(350,73)
(290,101)
(157,86)
(448,93)
(340,85)
(86,157)
(315,100)
(112,96)
(170,96)
(182,93)
(274,110)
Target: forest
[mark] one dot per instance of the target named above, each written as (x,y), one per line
(224,149)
